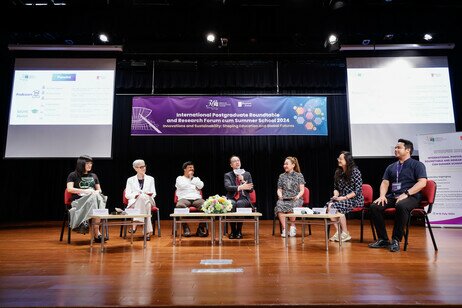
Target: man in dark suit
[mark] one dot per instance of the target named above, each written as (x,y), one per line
(238,185)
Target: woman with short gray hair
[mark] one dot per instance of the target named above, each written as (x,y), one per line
(140,192)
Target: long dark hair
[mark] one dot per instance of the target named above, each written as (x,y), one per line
(350,165)
(80,165)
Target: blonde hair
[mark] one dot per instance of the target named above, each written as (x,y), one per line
(294,161)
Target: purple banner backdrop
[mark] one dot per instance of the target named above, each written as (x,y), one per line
(229,115)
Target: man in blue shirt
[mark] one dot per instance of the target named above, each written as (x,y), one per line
(400,188)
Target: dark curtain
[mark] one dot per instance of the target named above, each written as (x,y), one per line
(33,189)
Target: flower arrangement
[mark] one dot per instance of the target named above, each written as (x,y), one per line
(217,205)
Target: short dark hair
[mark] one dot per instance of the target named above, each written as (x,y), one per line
(407,145)
(188,163)
(80,165)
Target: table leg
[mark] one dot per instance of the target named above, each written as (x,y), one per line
(131,234)
(256,230)
(213,230)
(220,232)
(92,233)
(303,230)
(286,225)
(145,230)
(102,234)
(174,231)
(339,226)
(325,234)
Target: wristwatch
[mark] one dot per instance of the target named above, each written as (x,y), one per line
(407,192)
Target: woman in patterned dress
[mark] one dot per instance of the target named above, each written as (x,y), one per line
(347,192)
(291,186)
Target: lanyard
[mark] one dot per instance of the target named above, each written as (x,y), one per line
(399,167)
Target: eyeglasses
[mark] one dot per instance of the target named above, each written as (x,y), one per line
(141,167)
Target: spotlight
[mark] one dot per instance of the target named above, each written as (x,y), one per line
(428,37)
(211,37)
(223,42)
(103,38)
(332,39)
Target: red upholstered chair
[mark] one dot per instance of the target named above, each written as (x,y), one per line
(368,194)
(428,198)
(306,202)
(155,216)
(67,207)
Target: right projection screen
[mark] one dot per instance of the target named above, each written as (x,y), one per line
(397,97)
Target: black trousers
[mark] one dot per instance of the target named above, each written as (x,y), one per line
(403,210)
(236,227)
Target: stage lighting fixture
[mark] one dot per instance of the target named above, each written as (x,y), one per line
(103,38)
(366,42)
(332,39)
(211,37)
(428,37)
(389,36)
(337,4)
(223,42)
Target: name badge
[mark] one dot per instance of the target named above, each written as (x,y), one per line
(181,210)
(395,187)
(299,210)
(319,210)
(132,211)
(244,210)
(100,212)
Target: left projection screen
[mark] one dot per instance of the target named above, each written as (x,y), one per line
(61,108)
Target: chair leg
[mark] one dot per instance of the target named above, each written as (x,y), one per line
(68,232)
(406,233)
(362,227)
(431,232)
(274,223)
(63,226)
(309,229)
(153,223)
(373,230)
(158,223)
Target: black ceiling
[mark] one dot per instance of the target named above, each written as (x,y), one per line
(250,26)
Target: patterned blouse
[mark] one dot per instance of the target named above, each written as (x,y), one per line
(290,183)
(354,185)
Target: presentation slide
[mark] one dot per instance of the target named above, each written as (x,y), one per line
(397,97)
(59,106)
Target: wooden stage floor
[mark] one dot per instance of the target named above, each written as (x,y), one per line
(38,270)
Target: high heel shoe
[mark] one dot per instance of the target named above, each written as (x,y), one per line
(132,231)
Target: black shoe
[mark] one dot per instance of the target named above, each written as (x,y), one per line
(98,239)
(201,233)
(148,237)
(231,236)
(379,244)
(186,231)
(394,246)
(239,235)
(106,238)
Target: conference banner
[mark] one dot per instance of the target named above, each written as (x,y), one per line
(442,156)
(229,115)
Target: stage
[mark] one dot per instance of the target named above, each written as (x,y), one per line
(38,270)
